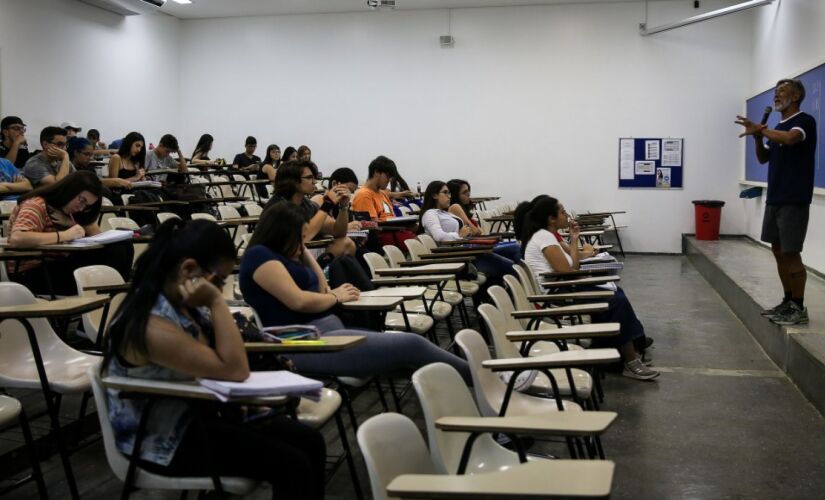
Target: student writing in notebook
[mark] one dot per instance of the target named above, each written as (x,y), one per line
(59,213)
(285,286)
(175,325)
(546,251)
(128,163)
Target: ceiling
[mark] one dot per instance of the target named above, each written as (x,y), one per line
(201,9)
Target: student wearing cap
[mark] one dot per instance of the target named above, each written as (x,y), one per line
(52,164)
(12,182)
(13,146)
(161,157)
(71,128)
(247,161)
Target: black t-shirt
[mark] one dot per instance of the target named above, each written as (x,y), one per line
(241,160)
(22,155)
(791,169)
(307,206)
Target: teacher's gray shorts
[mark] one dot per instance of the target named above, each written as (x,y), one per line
(785,225)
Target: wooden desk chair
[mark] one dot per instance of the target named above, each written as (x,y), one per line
(460,439)
(98,275)
(413,474)
(11,411)
(140,478)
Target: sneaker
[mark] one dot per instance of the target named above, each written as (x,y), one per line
(776,310)
(635,369)
(792,315)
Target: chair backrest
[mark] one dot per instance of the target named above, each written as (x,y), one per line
(117,461)
(193,169)
(504,304)
(97,275)
(532,277)
(404,210)
(125,198)
(123,223)
(442,393)
(165,216)
(488,386)
(416,249)
(523,277)
(394,255)
(414,208)
(227,212)
(427,240)
(197,179)
(7,206)
(253,209)
(380,438)
(205,216)
(238,178)
(497,326)
(375,261)
(104,202)
(517,293)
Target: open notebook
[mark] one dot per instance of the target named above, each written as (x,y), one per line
(110,236)
(272,383)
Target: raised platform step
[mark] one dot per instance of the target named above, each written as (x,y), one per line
(743,272)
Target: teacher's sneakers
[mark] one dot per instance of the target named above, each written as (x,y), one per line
(792,315)
(777,309)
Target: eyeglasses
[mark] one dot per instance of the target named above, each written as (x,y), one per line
(308,177)
(59,144)
(18,128)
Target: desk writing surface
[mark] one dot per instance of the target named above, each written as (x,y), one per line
(332,344)
(468,252)
(184,389)
(453,249)
(447,268)
(54,308)
(404,220)
(406,292)
(120,287)
(561,311)
(58,247)
(373,304)
(586,331)
(127,208)
(239,221)
(325,242)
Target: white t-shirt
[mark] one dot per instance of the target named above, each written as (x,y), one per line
(534,253)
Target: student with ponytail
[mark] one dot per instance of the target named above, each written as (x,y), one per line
(546,251)
(175,325)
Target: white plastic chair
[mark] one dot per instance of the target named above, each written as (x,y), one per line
(419,323)
(123,223)
(442,393)
(395,256)
(490,389)
(97,275)
(165,216)
(253,209)
(380,439)
(504,304)
(416,249)
(11,411)
(148,480)
(204,216)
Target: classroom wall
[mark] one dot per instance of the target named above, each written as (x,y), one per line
(788,40)
(64,60)
(529,100)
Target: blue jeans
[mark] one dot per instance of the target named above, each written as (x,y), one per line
(494,266)
(509,250)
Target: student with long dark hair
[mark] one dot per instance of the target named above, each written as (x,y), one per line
(200,156)
(175,325)
(271,162)
(442,225)
(60,213)
(81,152)
(546,251)
(284,284)
(290,154)
(129,161)
(462,207)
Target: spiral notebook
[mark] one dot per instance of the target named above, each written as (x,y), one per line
(272,383)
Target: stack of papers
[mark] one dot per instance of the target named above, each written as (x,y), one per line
(147,184)
(110,236)
(358,234)
(601,257)
(259,384)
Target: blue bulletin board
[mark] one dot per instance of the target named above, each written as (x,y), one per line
(656,163)
(813,81)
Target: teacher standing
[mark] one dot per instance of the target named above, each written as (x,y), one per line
(789,152)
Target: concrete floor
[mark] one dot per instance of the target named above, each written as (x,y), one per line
(722,421)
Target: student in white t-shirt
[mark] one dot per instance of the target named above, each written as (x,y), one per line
(546,251)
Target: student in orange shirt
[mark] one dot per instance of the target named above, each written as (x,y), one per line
(372,198)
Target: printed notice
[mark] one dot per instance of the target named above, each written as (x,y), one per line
(626,153)
(671,152)
(645,167)
(662,177)
(652,150)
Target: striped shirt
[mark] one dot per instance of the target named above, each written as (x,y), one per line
(33,215)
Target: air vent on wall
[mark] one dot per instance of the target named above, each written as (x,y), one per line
(381,4)
(127,7)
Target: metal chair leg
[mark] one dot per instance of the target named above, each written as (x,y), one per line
(348,455)
(32,450)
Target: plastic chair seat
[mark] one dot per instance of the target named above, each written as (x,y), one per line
(450,297)
(468,288)
(316,413)
(10,409)
(440,310)
(420,323)
(582,379)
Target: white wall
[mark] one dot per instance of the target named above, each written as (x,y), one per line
(64,60)
(530,99)
(789,40)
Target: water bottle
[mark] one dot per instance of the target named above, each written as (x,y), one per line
(418,188)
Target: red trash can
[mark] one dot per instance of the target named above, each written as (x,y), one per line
(708,216)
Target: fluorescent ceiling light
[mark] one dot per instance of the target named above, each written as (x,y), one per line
(645,31)
(183,2)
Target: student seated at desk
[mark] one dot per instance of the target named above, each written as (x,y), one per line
(290,154)
(462,207)
(441,225)
(93,135)
(546,251)
(374,199)
(128,163)
(304,153)
(285,286)
(344,177)
(81,152)
(248,161)
(12,182)
(175,325)
(59,213)
(271,162)
(296,183)
(160,158)
(201,154)
(51,164)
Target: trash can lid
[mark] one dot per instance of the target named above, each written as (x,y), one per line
(710,203)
